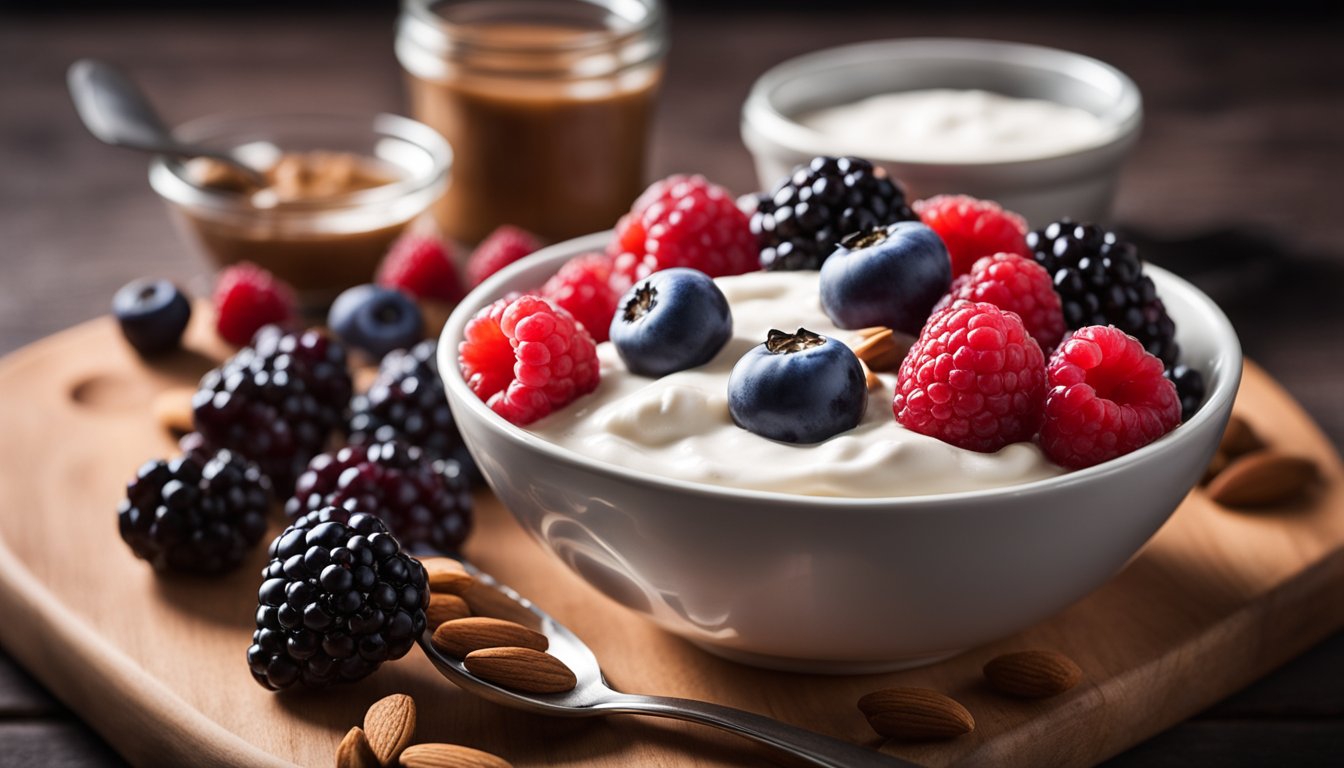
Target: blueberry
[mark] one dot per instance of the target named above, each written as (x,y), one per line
(890,276)
(797,388)
(153,314)
(376,320)
(670,321)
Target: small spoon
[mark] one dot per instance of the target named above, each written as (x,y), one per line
(594,696)
(116,112)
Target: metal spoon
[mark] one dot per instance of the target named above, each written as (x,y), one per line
(116,112)
(594,696)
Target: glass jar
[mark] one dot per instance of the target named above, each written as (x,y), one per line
(547,104)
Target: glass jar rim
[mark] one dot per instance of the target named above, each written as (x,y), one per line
(423,27)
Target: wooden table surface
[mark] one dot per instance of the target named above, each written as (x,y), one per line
(1234,184)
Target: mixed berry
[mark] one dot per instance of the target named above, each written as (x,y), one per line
(986,302)
(376,320)
(153,315)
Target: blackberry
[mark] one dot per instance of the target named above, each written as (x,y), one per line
(1100,281)
(201,512)
(799,222)
(406,402)
(276,402)
(1189,388)
(424,503)
(337,599)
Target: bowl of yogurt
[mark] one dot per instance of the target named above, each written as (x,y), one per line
(1042,131)
(877,549)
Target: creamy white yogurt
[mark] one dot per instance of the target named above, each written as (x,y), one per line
(679,427)
(957,126)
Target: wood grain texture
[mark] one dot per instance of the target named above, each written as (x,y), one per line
(1241,130)
(156,664)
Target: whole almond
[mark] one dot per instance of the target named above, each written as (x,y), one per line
(882,351)
(447,575)
(460,637)
(450,756)
(870,379)
(485,600)
(354,751)
(522,669)
(1032,674)
(915,714)
(445,608)
(1238,438)
(172,409)
(871,330)
(1262,478)
(389,725)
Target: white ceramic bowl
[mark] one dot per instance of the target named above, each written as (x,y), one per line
(1078,184)
(841,585)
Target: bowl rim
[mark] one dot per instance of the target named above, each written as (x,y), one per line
(760,117)
(166,178)
(1227,367)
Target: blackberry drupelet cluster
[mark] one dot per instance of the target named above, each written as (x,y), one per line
(1100,281)
(800,221)
(337,600)
(201,512)
(406,402)
(423,502)
(277,401)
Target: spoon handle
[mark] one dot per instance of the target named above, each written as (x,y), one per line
(814,748)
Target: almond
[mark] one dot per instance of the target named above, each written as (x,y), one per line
(870,379)
(460,637)
(485,600)
(881,351)
(447,575)
(389,725)
(915,714)
(445,608)
(1262,478)
(871,330)
(1238,438)
(354,751)
(1032,674)
(450,756)
(522,669)
(1217,464)
(172,409)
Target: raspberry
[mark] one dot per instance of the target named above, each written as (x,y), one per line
(1016,284)
(248,297)
(421,266)
(503,247)
(974,379)
(973,228)
(1107,396)
(682,221)
(527,357)
(583,287)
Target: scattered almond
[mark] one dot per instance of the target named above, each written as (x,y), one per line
(450,756)
(363,377)
(460,637)
(172,409)
(389,725)
(445,608)
(871,330)
(447,575)
(915,714)
(354,751)
(1262,478)
(1238,438)
(882,351)
(522,669)
(1032,674)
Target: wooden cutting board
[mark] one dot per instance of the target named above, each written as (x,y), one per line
(156,664)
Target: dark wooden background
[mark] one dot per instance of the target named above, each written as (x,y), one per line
(1234,184)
